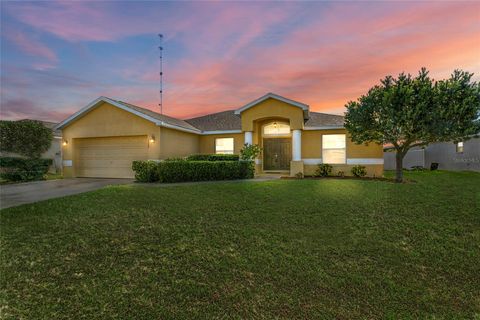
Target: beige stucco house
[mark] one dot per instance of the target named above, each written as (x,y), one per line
(103,138)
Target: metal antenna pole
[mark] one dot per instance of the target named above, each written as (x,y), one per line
(160,48)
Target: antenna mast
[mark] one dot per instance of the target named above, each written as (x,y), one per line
(160,48)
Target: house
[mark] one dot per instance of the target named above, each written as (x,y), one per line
(103,138)
(55,150)
(463,155)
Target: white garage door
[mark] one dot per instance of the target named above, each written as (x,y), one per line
(109,157)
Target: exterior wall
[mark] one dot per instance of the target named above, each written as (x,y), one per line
(106,121)
(272,108)
(443,153)
(415,157)
(312,153)
(174,143)
(207,142)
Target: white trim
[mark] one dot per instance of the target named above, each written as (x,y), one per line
(365,161)
(312,161)
(303,106)
(324,128)
(171,126)
(248,137)
(296,145)
(220,132)
(95,102)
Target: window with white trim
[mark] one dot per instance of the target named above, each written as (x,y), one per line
(334,148)
(224,146)
(460,147)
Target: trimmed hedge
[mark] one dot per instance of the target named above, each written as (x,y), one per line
(145,171)
(182,170)
(213,157)
(23,169)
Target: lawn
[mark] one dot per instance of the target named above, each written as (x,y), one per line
(344,249)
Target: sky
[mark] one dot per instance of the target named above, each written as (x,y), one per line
(56,57)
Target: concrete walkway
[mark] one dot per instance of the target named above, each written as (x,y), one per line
(12,195)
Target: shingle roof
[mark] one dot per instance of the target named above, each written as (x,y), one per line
(220,121)
(158,116)
(318,119)
(225,120)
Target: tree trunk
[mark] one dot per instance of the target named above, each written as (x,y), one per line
(399,167)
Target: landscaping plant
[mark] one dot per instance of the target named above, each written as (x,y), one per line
(323,170)
(359,171)
(407,112)
(29,138)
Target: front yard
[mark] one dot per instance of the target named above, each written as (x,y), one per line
(277,249)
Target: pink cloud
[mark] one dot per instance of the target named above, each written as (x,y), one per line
(32,47)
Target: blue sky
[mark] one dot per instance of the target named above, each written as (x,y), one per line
(59,56)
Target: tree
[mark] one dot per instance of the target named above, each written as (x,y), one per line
(407,112)
(29,138)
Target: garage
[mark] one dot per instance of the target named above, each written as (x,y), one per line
(109,157)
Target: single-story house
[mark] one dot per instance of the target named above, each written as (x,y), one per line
(103,138)
(55,150)
(463,155)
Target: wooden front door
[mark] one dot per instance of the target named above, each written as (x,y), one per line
(277,153)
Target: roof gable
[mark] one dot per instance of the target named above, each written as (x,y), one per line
(270,95)
(156,118)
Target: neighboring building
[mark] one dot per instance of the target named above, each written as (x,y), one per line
(463,155)
(102,139)
(55,150)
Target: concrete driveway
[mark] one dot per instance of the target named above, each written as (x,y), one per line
(16,194)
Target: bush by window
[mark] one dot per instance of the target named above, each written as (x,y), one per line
(359,171)
(323,170)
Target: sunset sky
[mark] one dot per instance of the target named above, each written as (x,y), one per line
(56,57)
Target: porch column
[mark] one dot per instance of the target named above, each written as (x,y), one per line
(296,145)
(249,137)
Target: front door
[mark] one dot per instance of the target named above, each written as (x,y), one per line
(277,153)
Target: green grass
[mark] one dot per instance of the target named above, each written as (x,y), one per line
(344,249)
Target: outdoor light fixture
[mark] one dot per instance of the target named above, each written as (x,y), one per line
(275,125)
(65,142)
(152,138)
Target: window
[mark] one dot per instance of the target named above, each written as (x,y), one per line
(224,146)
(460,147)
(333,148)
(276,129)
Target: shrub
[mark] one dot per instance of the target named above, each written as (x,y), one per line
(299,175)
(29,138)
(341,174)
(434,166)
(182,170)
(250,151)
(213,157)
(22,169)
(145,171)
(359,171)
(323,170)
